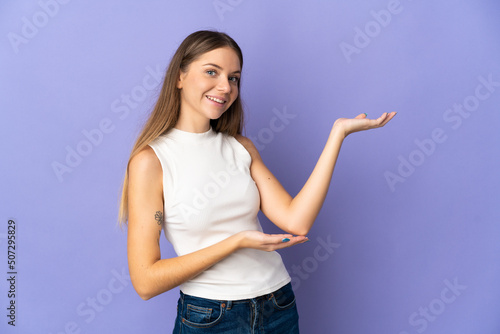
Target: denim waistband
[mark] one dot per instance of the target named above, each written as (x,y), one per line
(229,303)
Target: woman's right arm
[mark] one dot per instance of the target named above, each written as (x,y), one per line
(152,275)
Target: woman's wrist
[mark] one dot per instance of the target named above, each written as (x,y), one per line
(236,241)
(338,132)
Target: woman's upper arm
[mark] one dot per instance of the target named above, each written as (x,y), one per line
(274,199)
(145,205)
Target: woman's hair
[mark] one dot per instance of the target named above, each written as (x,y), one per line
(167,109)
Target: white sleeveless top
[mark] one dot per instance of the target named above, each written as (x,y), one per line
(210,195)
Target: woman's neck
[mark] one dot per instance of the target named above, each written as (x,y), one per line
(192,124)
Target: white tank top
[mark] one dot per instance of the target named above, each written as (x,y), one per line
(210,195)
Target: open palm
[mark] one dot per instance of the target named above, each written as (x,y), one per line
(347,126)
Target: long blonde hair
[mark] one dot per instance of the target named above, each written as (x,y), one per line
(166,111)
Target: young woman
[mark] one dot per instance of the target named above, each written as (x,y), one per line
(192,174)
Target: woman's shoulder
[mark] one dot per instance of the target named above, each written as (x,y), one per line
(145,162)
(248,145)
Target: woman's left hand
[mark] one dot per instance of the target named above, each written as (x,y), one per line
(346,126)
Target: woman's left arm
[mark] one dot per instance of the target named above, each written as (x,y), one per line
(296,215)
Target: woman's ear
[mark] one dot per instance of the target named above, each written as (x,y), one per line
(179,79)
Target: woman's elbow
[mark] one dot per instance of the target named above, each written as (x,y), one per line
(144,288)
(147,289)
(298,229)
(144,296)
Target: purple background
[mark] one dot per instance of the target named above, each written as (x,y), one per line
(65,68)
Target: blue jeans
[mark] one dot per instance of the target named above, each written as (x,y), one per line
(272,313)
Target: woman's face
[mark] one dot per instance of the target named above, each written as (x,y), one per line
(210,85)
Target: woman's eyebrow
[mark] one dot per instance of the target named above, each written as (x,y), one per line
(220,68)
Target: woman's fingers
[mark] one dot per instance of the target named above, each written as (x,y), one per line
(389,117)
(278,241)
(383,119)
(287,241)
(269,242)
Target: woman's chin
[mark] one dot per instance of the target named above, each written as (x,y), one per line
(216,115)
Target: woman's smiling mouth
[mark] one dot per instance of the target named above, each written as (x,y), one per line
(215,99)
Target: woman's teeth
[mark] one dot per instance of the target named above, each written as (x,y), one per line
(215,99)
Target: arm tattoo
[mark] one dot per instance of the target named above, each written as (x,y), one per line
(159,217)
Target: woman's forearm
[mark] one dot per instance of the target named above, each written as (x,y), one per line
(166,274)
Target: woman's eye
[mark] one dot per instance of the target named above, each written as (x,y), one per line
(211,72)
(234,79)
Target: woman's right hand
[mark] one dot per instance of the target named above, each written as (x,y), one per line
(268,242)
(347,126)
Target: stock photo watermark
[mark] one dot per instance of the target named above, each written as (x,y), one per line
(93,138)
(429,313)
(454,117)
(12,271)
(212,189)
(276,124)
(322,252)
(31,27)
(223,6)
(364,35)
(89,309)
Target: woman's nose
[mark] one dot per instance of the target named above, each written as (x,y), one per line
(224,85)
